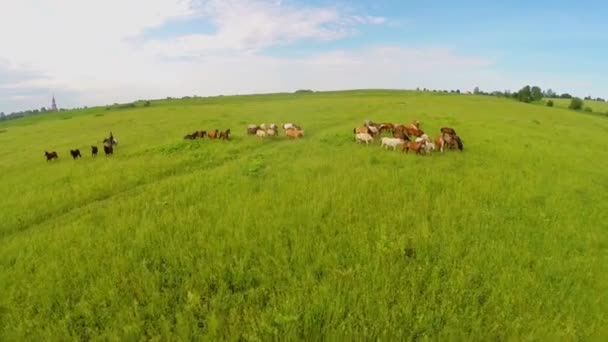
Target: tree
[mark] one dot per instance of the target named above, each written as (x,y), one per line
(525,94)
(576,104)
(565,96)
(550,103)
(550,94)
(476,91)
(536,93)
(43,109)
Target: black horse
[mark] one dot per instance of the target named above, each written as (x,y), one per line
(110,141)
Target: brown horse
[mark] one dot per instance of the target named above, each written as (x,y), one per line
(294,133)
(450,141)
(213,134)
(448,130)
(413,131)
(400,135)
(414,146)
(386,127)
(415,124)
(199,134)
(363,129)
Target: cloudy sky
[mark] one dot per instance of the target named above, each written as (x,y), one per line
(94,52)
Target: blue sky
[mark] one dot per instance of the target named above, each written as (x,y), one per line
(113,51)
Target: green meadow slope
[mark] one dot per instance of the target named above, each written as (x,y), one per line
(596,106)
(321,237)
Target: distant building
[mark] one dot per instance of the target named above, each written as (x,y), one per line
(54,105)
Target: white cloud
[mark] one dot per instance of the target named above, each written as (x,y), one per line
(96,46)
(93,52)
(249,25)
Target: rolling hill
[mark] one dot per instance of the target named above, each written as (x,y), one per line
(314,238)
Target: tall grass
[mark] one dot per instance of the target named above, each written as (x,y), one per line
(316,238)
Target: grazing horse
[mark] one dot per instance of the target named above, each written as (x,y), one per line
(386,127)
(458,142)
(358,130)
(364,138)
(373,130)
(400,135)
(415,124)
(199,134)
(94,151)
(449,140)
(294,133)
(414,146)
(448,130)
(252,129)
(213,134)
(290,125)
(417,132)
(261,133)
(391,142)
(225,135)
(75,154)
(51,155)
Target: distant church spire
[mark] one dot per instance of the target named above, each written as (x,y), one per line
(54,105)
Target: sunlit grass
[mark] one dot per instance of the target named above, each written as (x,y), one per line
(308,239)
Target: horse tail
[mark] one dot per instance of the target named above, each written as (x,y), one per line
(459,142)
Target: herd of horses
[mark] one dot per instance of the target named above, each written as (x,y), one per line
(108,148)
(399,135)
(214,134)
(407,136)
(292,131)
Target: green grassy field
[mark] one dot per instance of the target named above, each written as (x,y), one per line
(597,106)
(319,238)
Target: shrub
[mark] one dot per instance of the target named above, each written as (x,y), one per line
(147,104)
(303,91)
(550,103)
(576,104)
(588,109)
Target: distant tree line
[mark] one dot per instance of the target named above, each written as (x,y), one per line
(534,94)
(44,110)
(29,112)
